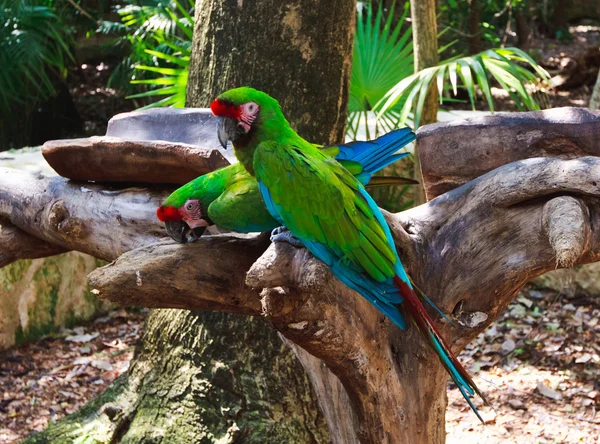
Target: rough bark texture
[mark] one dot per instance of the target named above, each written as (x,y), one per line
(199,391)
(424,28)
(523,27)
(299,52)
(474,19)
(17,244)
(102,221)
(453,153)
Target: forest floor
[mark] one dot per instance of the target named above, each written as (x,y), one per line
(539,365)
(43,381)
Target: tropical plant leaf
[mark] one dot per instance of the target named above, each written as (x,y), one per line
(34,51)
(382,57)
(474,72)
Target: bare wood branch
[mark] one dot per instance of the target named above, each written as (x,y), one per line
(101,221)
(453,153)
(206,275)
(16,244)
(472,249)
(112,159)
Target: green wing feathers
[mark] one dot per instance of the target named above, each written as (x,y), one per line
(343,221)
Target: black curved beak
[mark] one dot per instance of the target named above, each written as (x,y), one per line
(222,132)
(228,129)
(181,232)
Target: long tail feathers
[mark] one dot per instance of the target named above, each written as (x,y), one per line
(426,326)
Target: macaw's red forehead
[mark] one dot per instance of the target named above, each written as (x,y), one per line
(222,108)
(165,214)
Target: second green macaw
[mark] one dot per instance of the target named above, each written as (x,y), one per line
(229,197)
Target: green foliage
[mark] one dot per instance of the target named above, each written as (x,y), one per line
(503,65)
(383,56)
(34,51)
(159,33)
(383,80)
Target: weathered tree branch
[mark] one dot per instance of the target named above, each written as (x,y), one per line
(133,161)
(453,153)
(102,221)
(471,250)
(16,244)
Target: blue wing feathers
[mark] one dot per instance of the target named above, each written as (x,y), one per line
(376,154)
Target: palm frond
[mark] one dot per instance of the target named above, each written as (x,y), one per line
(507,66)
(382,57)
(34,51)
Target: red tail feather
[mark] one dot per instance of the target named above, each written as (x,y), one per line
(426,326)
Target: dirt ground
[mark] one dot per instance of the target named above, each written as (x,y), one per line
(539,365)
(43,381)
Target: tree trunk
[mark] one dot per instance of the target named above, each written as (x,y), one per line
(559,17)
(301,54)
(473,24)
(523,25)
(190,383)
(424,24)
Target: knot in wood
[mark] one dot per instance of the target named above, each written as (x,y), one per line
(284,265)
(272,301)
(566,222)
(59,220)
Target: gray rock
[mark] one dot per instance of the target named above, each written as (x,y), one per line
(194,126)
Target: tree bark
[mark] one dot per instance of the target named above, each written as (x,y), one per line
(200,391)
(560,16)
(425,43)
(523,25)
(300,53)
(595,99)
(475,46)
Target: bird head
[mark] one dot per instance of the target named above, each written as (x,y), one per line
(244,112)
(184,212)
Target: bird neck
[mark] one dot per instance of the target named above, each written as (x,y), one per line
(246,145)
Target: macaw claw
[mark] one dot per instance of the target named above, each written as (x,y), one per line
(282,234)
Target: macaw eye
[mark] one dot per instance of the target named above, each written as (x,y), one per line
(251,108)
(190,206)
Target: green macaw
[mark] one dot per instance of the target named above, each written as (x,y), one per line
(229,197)
(329,211)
